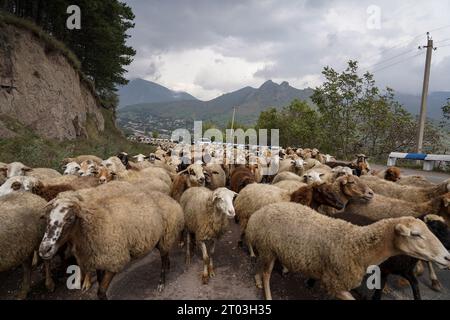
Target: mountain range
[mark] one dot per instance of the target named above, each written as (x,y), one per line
(249,102)
(142,91)
(145,102)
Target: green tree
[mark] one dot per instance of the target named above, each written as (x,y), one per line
(155,134)
(446,110)
(100,45)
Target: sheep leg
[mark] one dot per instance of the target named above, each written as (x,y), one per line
(87,284)
(345,295)
(165,263)
(435,284)
(26,281)
(252,253)
(104,285)
(49,283)
(414,285)
(205,275)
(188,248)
(266,278)
(419,270)
(211,267)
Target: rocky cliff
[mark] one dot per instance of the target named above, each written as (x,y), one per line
(40,88)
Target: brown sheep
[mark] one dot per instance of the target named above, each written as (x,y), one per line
(193,176)
(390,174)
(407,193)
(240,178)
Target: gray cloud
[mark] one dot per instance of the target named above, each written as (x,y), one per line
(291,39)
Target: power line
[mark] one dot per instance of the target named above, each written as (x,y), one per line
(403,43)
(394,64)
(440,41)
(390,59)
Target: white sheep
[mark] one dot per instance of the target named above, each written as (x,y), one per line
(21,230)
(107,227)
(206,215)
(300,238)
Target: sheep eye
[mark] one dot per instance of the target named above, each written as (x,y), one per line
(77,169)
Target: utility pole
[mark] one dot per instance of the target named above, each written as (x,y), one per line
(426,84)
(232,120)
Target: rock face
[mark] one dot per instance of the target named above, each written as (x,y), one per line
(41,89)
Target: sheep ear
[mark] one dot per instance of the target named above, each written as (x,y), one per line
(64,167)
(26,169)
(402,230)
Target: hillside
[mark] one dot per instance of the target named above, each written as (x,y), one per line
(166,116)
(142,91)
(48,110)
(249,101)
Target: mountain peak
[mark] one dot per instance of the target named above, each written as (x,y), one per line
(143,91)
(268,84)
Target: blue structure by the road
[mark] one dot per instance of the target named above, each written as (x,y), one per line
(428,159)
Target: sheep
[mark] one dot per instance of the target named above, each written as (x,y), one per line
(300,238)
(114,164)
(382,207)
(240,178)
(291,165)
(21,230)
(88,168)
(130,165)
(215,176)
(286,176)
(390,174)
(140,157)
(193,176)
(407,193)
(310,164)
(46,189)
(71,168)
(255,196)
(107,230)
(290,185)
(81,159)
(313,176)
(404,265)
(105,175)
(206,215)
(415,181)
(19,169)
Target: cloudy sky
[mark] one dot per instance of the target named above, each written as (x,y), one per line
(209,47)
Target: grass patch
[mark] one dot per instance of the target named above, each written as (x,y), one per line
(36,151)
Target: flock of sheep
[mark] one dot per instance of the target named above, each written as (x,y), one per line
(325,219)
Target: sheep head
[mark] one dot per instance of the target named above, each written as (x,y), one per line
(354,189)
(18,184)
(223,201)
(88,168)
(16,169)
(412,237)
(195,175)
(62,215)
(313,177)
(71,168)
(392,174)
(440,229)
